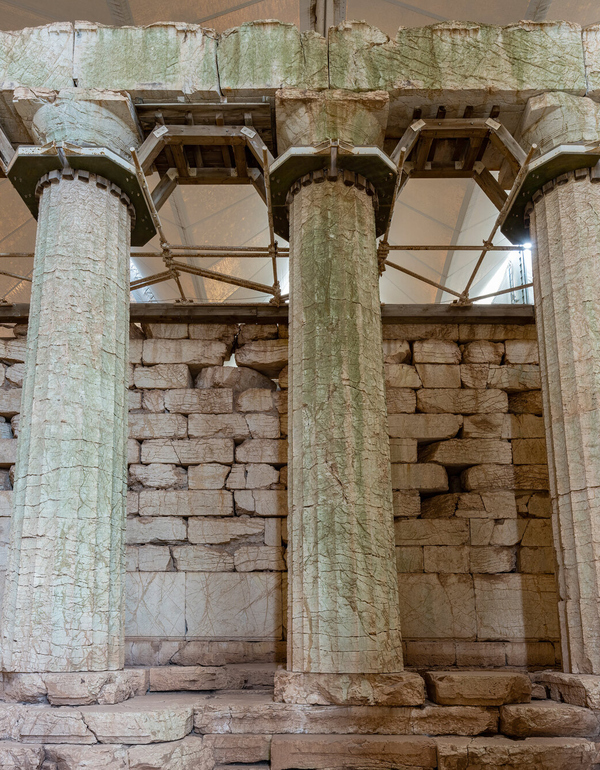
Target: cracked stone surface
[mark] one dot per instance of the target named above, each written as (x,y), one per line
(344,615)
(566,223)
(63,602)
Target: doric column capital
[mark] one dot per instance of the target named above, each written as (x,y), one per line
(76,130)
(566,130)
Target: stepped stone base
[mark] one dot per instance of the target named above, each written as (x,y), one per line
(249,730)
(401,689)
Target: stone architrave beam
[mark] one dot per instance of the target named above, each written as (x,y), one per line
(565,228)
(63,604)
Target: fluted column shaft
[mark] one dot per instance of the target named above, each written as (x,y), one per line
(344,614)
(565,224)
(63,606)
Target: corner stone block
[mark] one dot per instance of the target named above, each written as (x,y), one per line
(264,56)
(160,61)
(514,606)
(247,605)
(39,57)
(478,688)
(441,61)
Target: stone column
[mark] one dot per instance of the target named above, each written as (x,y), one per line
(63,604)
(565,230)
(344,642)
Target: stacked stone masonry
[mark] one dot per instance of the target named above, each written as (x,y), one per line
(207,501)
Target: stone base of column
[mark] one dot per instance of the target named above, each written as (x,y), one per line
(401,689)
(81,688)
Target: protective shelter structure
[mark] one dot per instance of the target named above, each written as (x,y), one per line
(432,469)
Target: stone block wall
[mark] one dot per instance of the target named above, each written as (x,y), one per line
(207,506)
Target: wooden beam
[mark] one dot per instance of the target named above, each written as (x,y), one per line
(163,189)
(490,187)
(254,312)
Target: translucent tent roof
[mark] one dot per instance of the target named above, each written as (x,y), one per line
(449,212)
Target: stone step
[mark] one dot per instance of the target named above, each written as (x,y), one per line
(548,718)
(256,713)
(529,754)
(88,688)
(478,688)
(314,752)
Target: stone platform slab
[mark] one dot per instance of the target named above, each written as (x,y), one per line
(401,689)
(478,688)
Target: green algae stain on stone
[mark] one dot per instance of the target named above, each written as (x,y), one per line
(268,55)
(163,59)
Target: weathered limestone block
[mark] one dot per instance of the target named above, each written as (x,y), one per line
(431,532)
(195,353)
(436,352)
(274,532)
(525,426)
(396,352)
(577,689)
(403,450)
(496,332)
(8,452)
(521,352)
(223,530)
(437,606)
(406,503)
(425,477)
(461,452)
(515,377)
(205,401)
(518,477)
(453,559)
(208,476)
(234,605)
(528,754)
(162,376)
(87,688)
(482,352)
(39,724)
(266,356)
(485,426)
(235,378)
(198,558)
(148,719)
(481,654)
(441,61)
(493,560)
(327,751)
(150,558)
(155,529)
(402,689)
(155,604)
(462,401)
(15,374)
(10,402)
(409,559)
(255,400)
(401,376)
(166,331)
(148,426)
(477,688)
(257,558)
(250,332)
(424,427)
(418,331)
(218,426)
(514,606)
(261,502)
(239,748)
(264,425)
(283,379)
(400,400)
(156,62)
(69,757)
(547,719)
(493,532)
(471,505)
(210,502)
(188,451)
(209,331)
(262,451)
(158,475)
(474,375)
(537,559)
(267,55)
(260,476)
(16,756)
(186,754)
(439,375)
(525,403)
